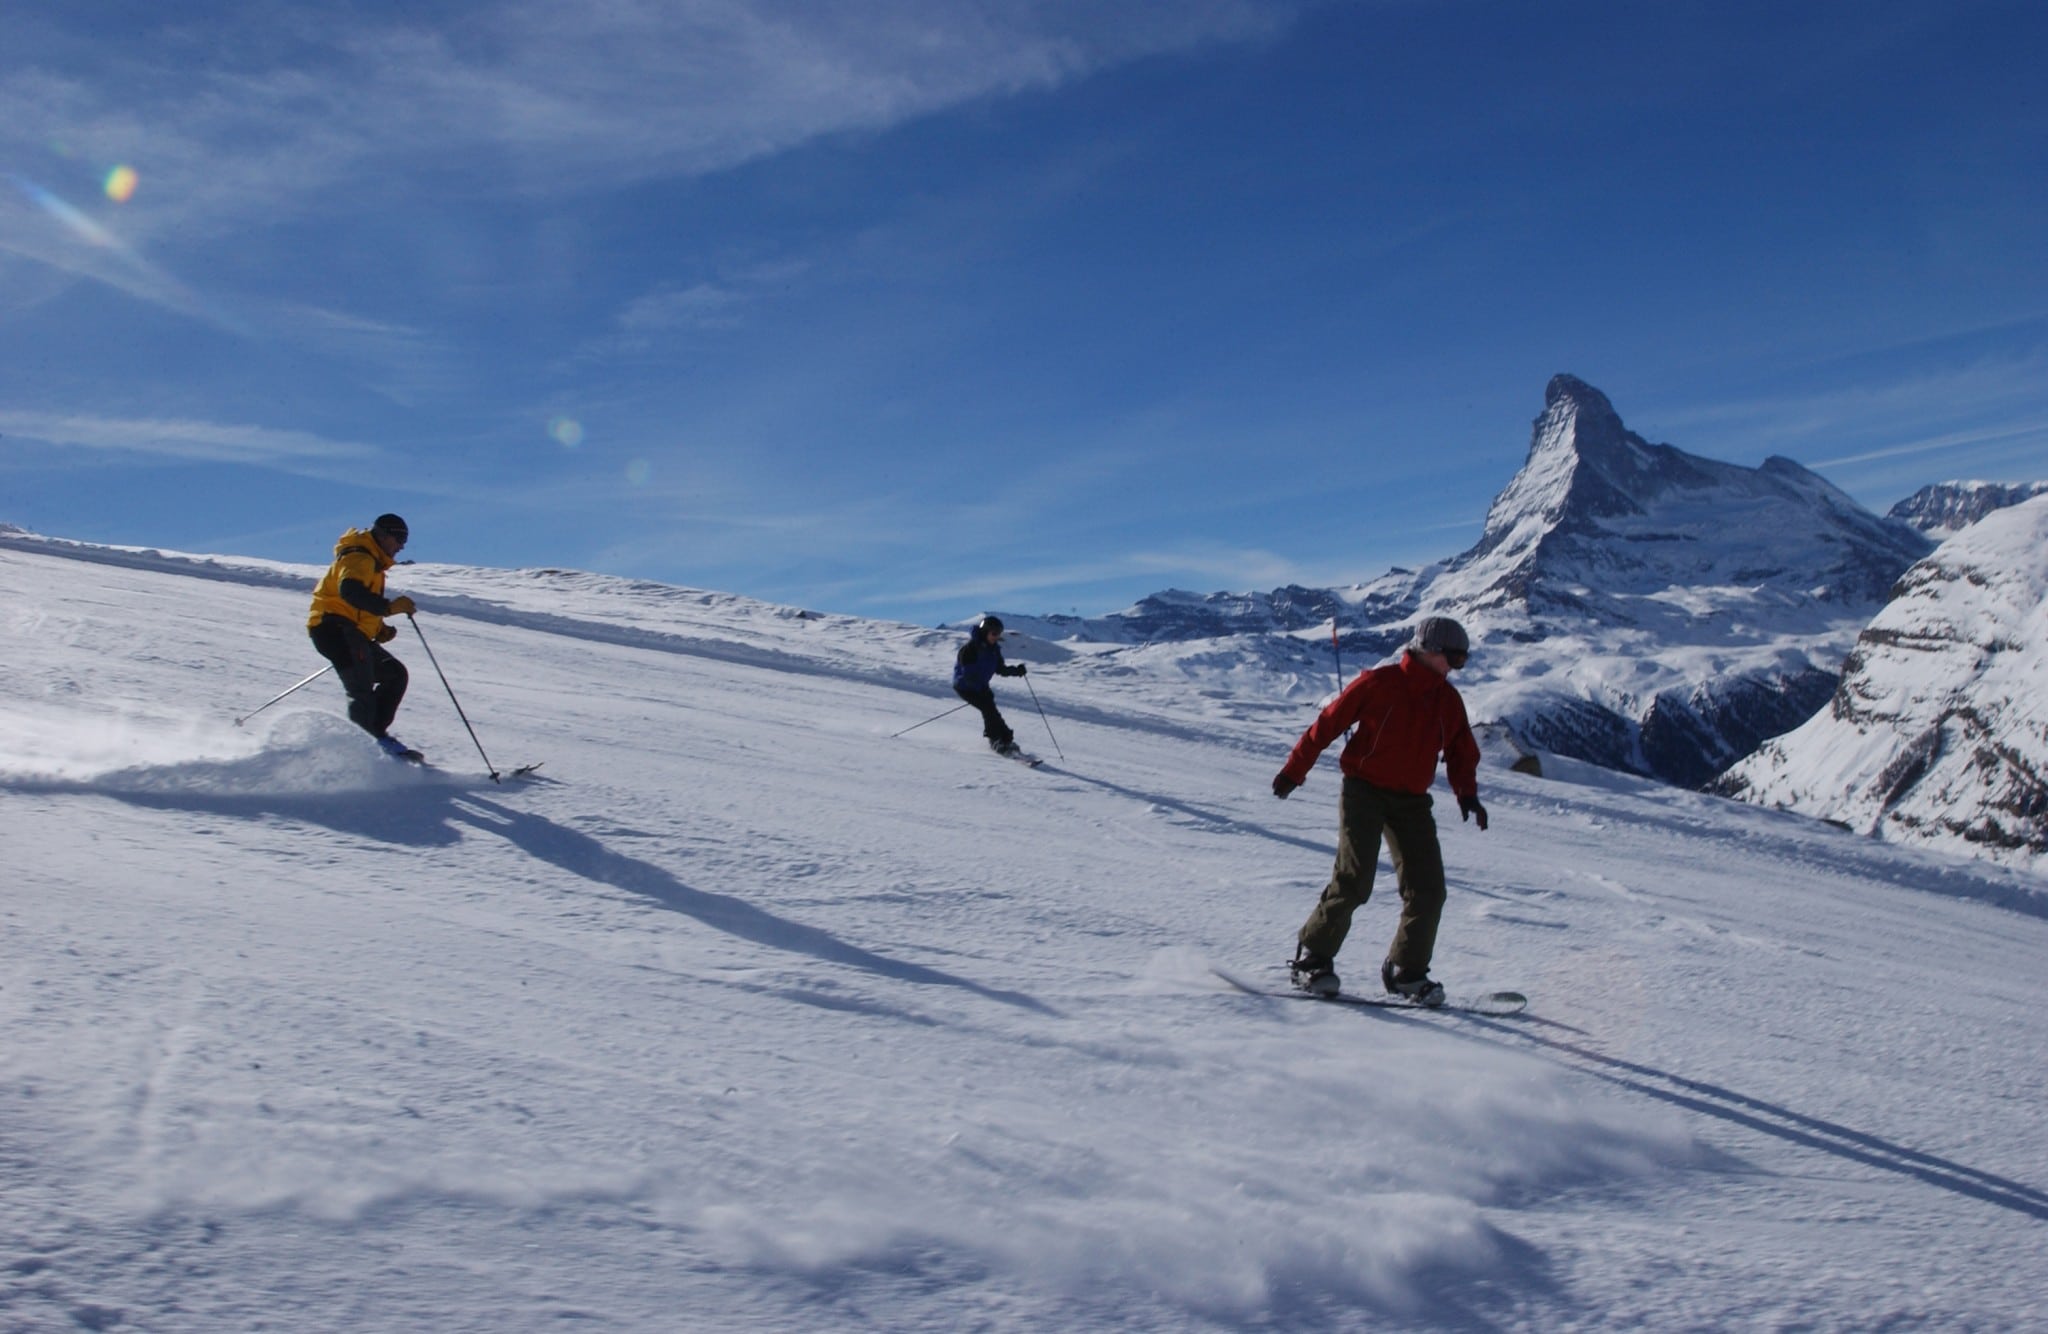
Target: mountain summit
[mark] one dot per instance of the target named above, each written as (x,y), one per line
(1599,516)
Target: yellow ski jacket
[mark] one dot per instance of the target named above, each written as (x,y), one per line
(354,585)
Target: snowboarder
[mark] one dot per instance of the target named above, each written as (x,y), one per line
(1407,714)
(347,627)
(979,661)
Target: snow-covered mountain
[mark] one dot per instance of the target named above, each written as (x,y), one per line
(1633,605)
(746,1014)
(1946,508)
(1939,732)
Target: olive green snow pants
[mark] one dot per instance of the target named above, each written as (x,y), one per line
(1369,813)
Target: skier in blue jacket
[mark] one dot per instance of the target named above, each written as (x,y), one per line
(979,661)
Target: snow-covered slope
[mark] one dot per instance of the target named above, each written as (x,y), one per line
(1634,606)
(1939,733)
(745,1016)
(1946,508)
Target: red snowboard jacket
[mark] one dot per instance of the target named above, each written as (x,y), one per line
(1407,714)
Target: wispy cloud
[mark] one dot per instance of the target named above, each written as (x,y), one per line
(184,441)
(558,95)
(235,123)
(2008,393)
(2036,429)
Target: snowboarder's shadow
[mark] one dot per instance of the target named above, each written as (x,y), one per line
(1783,1123)
(587,858)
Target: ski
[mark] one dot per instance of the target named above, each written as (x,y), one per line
(525,769)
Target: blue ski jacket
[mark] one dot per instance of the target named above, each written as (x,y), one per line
(979,661)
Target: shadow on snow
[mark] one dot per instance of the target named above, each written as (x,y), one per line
(433,815)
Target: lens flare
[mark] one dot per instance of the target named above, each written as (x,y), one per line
(79,225)
(121,183)
(567,431)
(639,472)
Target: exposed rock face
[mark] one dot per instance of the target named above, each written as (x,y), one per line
(1938,733)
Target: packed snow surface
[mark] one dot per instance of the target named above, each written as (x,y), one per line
(746,1013)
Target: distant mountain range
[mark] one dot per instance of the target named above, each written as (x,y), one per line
(1631,604)
(1946,508)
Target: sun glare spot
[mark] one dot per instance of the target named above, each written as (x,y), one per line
(567,431)
(121,183)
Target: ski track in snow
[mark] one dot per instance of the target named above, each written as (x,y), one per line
(742,1014)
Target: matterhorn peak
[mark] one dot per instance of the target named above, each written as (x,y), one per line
(1597,507)
(1577,394)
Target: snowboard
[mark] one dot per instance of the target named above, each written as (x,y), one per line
(1496,1003)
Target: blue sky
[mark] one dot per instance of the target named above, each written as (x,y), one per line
(915,308)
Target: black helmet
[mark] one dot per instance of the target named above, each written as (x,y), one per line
(988,627)
(393,526)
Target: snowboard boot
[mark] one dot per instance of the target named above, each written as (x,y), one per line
(1416,987)
(1315,976)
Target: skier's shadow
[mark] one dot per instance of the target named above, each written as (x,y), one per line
(1782,1123)
(434,814)
(587,858)
(1222,824)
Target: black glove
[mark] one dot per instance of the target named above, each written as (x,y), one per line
(1017,669)
(387,634)
(1469,807)
(1282,785)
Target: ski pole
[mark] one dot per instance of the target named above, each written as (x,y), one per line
(934,718)
(1042,718)
(268,702)
(451,696)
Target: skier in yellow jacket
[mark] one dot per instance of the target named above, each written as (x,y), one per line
(347,627)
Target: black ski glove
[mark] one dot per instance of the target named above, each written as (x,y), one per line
(1469,807)
(1282,785)
(1014,669)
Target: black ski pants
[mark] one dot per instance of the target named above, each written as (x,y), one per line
(375,681)
(992,725)
(1404,820)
